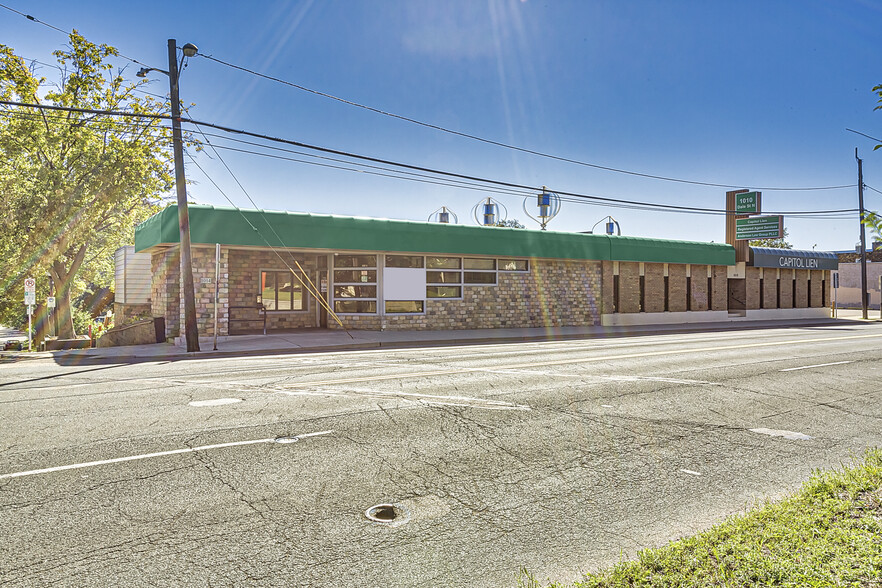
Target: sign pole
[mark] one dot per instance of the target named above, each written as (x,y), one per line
(216,287)
(30,313)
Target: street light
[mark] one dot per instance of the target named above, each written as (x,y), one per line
(191,332)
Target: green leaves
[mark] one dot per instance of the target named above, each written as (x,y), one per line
(71,178)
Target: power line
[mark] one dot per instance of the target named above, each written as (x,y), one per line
(403,165)
(68,33)
(501,144)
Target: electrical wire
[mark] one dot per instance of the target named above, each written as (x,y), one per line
(451,131)
(68,33)
(501,144)
(446,174)
(314,291)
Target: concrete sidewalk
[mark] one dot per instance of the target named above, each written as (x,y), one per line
(312,341)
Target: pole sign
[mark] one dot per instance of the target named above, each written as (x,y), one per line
(748,203)
(30,297)
(759,227)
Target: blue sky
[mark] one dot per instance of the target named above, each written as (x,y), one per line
(755,94)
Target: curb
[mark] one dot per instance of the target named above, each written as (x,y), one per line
(176,353)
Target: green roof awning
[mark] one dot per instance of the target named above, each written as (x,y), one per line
(257,228)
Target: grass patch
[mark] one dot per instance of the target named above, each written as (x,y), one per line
(829,533)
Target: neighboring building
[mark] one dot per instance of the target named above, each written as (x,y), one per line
(386,274)
(132,282)
(848,295)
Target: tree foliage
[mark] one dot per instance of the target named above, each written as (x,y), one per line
(511,224)
(779,243)
(74,184)
(873,221)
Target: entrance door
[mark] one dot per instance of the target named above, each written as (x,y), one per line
(737,295)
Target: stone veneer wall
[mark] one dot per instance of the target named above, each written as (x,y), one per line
(165,289)
(554,293)
(245,266)
(203,262)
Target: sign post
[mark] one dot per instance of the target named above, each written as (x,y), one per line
(30,299)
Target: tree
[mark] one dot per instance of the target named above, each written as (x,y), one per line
(511,224)
(873,221)
(779,243)
(74,184)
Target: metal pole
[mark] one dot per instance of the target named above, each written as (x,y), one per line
(30,313)
(191,332)
(216,287)
(863,235)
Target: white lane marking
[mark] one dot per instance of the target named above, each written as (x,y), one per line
(808,367)
(607,406)
(215,402)
(653,379)
(691,472)
(792,435)
(90,464)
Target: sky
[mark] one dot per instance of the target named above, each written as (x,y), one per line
(750,94)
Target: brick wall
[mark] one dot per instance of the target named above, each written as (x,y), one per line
(720,296)
(753,284)
(698,294)
(816,277)
(629,286)
(676,287)
(654,284)
(770,288)
(607,306)
(801,288)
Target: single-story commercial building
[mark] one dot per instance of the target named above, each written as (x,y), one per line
(292,269)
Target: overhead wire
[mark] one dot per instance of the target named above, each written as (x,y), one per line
(446,174)
(501,144)
(451,131)
(311,288)
(60,30)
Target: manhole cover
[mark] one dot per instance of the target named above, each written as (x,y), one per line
(385,513)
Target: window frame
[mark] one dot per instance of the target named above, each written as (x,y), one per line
(295,283)
(351,268)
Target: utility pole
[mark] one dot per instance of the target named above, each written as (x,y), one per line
(863,235)
(187,290)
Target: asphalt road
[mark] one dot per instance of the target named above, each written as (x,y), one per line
(558,457)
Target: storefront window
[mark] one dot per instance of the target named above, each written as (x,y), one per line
(359,276)
(473,263)
(281,290)
(443,263)
(356,306)
(404,306)
(513,265)
(443,277)
(355,290)
(443,291)
(479,277)
(355,261)
(411,261)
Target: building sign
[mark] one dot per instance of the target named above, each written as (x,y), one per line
(759,227)
(748,203)
(793,259)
